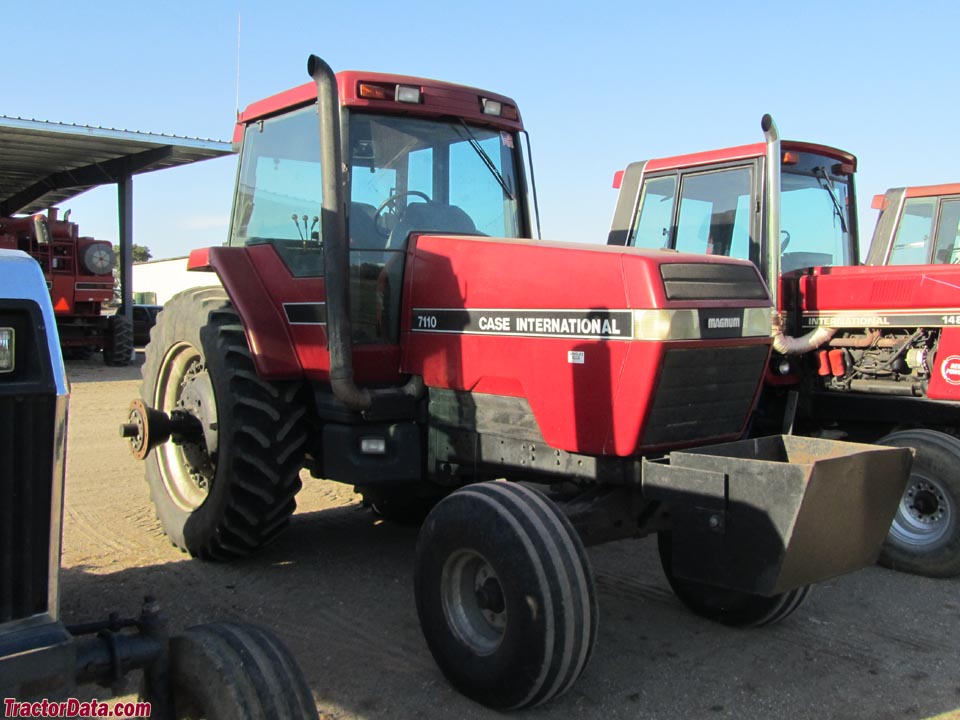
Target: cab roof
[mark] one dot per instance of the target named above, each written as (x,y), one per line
(438,98)
(740,152)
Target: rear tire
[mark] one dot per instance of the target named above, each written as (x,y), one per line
(505,595)
(118,343)
(232,490)
(728,607)
(226,671)
(924,538)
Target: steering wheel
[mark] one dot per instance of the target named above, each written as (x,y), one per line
(393,207)
(785,241)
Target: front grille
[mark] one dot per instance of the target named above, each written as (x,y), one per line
(712,281)
(704,393)
(26,472)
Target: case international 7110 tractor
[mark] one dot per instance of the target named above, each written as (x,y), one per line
(867,353)
(412,340)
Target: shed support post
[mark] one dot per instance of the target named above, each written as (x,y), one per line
(125,205)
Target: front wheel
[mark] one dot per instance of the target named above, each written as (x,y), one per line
(728,607)
(228,487)
(924,537)
(505,595)
(225,671)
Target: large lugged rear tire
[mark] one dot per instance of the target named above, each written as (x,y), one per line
(230,491)
(924,537)
(232,671)
(728,607)
(118,343)
(505,595)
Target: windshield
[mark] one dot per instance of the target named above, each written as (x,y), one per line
(711,211)
(407,174)
(814,215)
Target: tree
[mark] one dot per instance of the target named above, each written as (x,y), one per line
(141,253)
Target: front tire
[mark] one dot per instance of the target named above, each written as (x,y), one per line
(728,607)
(924,538)
(229,671)
(505,595)
(230,489)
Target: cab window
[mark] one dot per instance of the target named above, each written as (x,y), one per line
(911,244)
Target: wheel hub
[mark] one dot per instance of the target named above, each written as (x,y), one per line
(925,513)
(474,604)
(927,505)
(490,596)
(185,391)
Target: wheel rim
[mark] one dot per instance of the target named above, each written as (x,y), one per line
(473,602)
(184,386)
(925,513)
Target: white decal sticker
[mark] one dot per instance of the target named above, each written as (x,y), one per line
(950,369)
(507,139)
(575,357)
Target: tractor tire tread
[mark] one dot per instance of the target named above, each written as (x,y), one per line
(267,433)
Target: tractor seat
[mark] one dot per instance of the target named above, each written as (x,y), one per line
(430,217)
(363,228)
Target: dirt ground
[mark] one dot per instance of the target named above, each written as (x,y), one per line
(337,587)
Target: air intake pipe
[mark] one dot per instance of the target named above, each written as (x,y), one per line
(336,257)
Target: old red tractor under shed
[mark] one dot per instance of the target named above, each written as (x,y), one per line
(79,275)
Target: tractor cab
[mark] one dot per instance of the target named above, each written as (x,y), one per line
(713,203)
(419,156)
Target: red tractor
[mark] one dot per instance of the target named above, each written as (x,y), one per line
(79,274)
(909,219)
(866,353)
(411,339)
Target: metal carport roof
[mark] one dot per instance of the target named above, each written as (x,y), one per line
(44,163)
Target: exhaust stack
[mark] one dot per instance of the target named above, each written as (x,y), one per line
(772,203)
(336,259)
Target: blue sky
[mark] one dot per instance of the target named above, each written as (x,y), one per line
(598,84)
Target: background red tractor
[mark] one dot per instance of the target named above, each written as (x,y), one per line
(79,274)
(864,353)
(917,225)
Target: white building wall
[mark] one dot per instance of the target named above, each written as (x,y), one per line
(168,277)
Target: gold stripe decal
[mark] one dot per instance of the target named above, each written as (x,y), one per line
(882,318)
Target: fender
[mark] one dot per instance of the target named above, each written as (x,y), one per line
(263,323)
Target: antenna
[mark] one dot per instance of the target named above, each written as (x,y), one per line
(237,108)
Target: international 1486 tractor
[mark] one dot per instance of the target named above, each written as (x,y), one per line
(79,276)
(866,353)
(410,339)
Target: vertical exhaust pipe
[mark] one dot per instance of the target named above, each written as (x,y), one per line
(336,251)
(772,204)
(784,344)
(336,260)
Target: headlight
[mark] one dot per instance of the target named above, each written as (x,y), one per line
(757,322)
(6,349)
